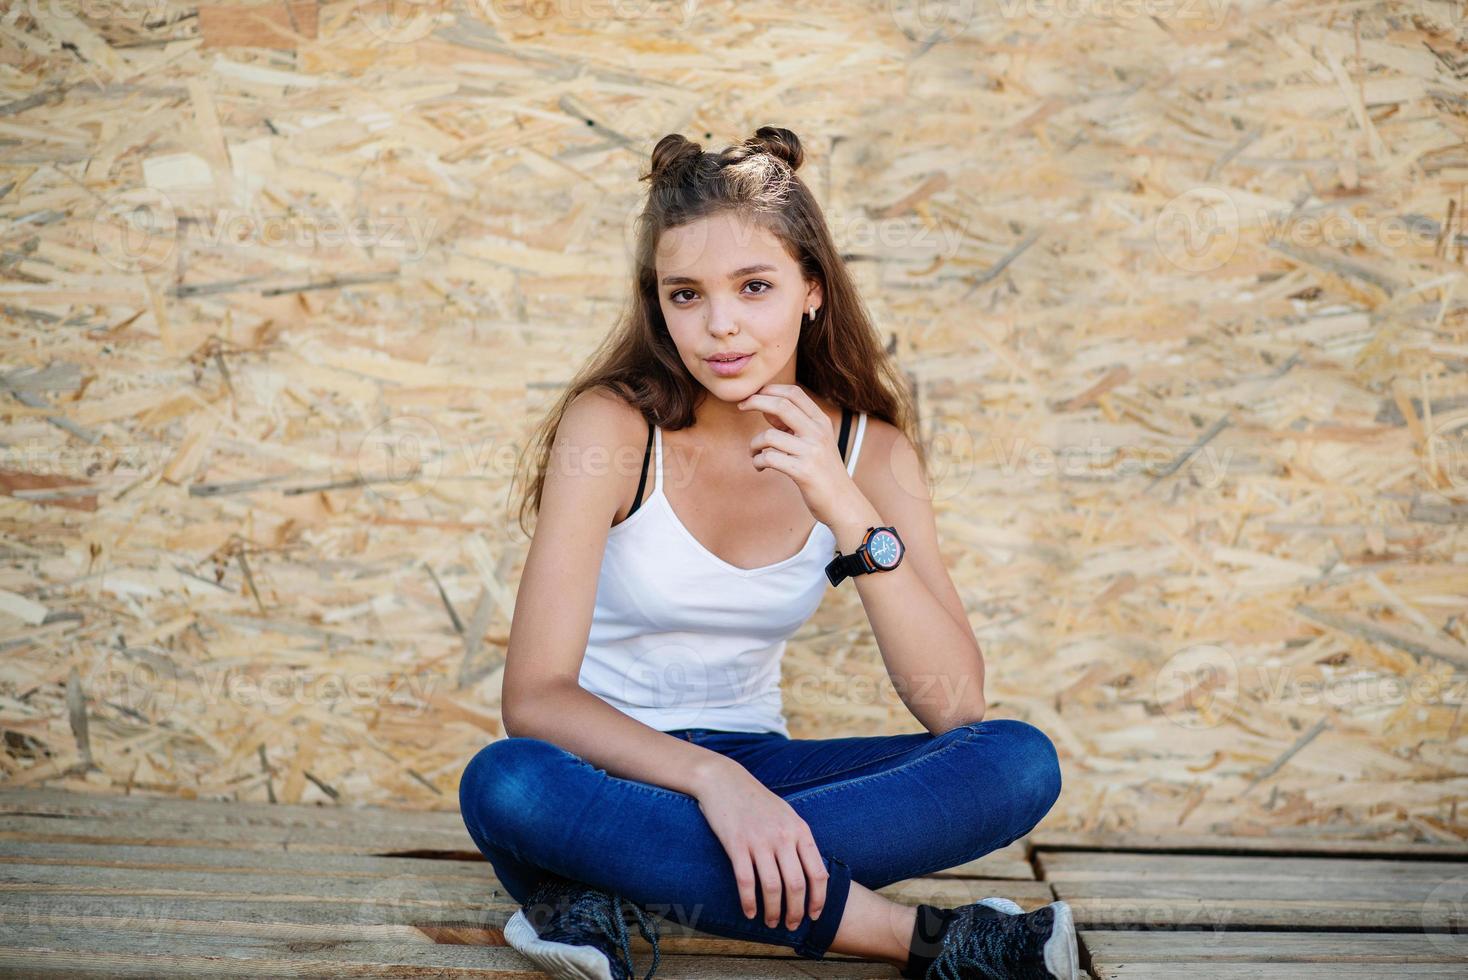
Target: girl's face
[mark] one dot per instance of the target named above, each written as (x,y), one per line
(727,286)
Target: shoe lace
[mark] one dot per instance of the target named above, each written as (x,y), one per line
(592,911)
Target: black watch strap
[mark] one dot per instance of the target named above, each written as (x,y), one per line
(845,566)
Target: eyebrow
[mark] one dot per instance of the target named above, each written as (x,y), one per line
(736,274)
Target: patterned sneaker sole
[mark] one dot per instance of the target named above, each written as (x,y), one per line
(561,960)
(1062,958)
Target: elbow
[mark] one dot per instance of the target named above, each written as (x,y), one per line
(511,727)
(519,709)
(512,717)
(961,719)
(969,711)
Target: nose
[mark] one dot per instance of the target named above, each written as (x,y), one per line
(721,321)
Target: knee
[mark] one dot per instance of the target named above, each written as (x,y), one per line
(1036,766)
(502,785)
(1031,763)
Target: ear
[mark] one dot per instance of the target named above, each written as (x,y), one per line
(815,296)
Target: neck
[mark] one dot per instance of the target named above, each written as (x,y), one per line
(725,422)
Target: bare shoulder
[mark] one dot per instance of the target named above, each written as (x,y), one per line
(878,442)
(598,449)
(602,416)
(599,431)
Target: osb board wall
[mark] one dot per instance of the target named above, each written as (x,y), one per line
(1180,290)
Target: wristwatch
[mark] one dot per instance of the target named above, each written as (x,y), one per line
(881,550)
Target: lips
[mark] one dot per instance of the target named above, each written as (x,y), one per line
(717,358)
(729,368)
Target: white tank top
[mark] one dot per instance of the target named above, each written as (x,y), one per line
(680,638)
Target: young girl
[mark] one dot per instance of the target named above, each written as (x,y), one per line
(647,760)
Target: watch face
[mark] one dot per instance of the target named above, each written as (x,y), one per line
(884,549)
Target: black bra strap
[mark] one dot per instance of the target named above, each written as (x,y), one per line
(845,428)
(646,455)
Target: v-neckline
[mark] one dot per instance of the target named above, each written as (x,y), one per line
(736,569)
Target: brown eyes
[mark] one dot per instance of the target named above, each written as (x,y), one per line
(757,282)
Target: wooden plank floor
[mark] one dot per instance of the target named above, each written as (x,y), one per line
(1261,908)
(131,886)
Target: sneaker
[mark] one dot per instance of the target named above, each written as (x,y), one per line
(574,931)
(1038,945)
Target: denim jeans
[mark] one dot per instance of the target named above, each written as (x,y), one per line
(881,809)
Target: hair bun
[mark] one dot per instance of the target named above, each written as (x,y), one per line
(779,142)
(672,154)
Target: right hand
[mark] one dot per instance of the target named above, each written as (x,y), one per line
(768,843)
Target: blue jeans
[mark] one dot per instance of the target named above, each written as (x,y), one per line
(881,809)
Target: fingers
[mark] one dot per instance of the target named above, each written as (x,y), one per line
(768,870)
(782,402)
(816,874)
(794,876)
(775,439)
(744,878)
(808,404)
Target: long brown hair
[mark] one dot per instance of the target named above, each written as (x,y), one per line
(839,355)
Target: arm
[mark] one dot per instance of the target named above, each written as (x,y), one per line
(585,725)
(553,608)
(916,614)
